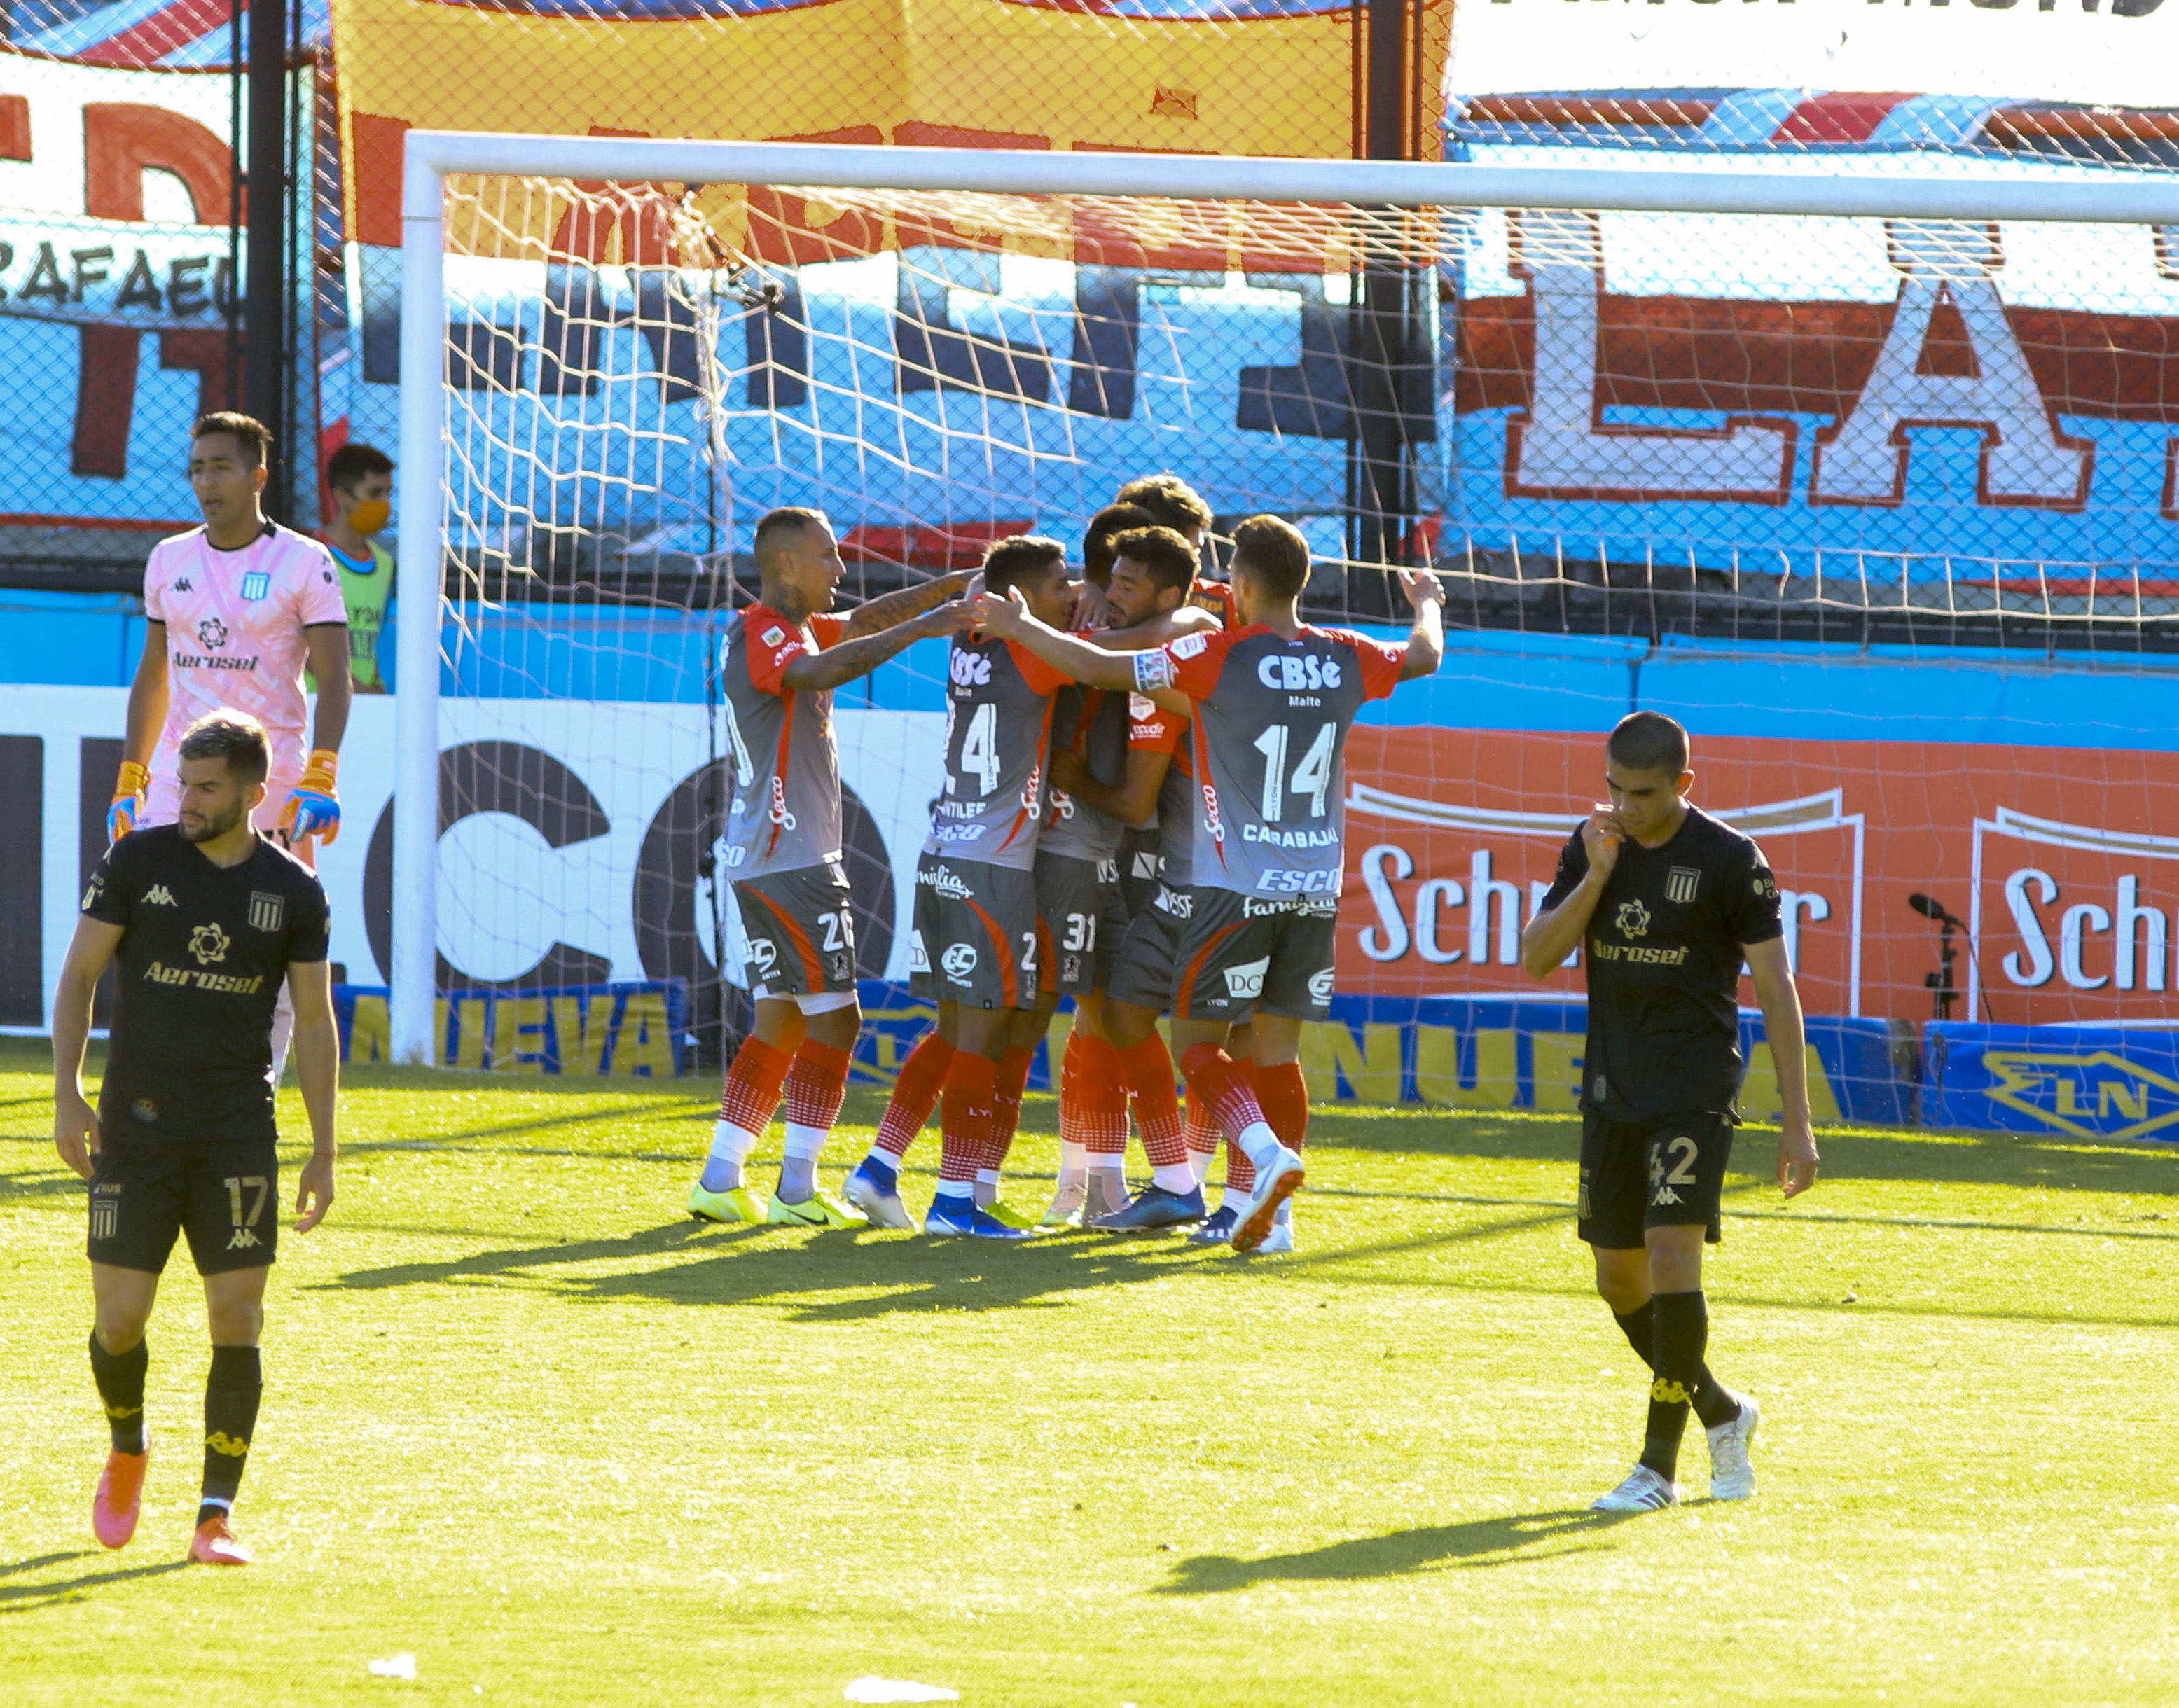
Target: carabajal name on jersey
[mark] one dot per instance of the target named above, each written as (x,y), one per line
(1271,717)
(998,722)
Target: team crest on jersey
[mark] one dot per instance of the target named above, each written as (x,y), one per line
(1633,919)
(211,634)
(158,895)
(267,911)
(257,584)
(1680,883)
(209,943)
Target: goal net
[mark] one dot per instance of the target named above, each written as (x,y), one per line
(1821,474)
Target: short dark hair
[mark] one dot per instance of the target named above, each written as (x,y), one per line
(1017,557)
(1097,552)
(353,464)
(1166,555)
(774,524)
(1270,551)
(234,736)
(1171,501)
(256,437)
(1649,742)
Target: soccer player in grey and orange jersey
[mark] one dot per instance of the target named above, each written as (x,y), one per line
(783,657)
(1272,700)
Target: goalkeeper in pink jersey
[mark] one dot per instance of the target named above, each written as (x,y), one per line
(234,611)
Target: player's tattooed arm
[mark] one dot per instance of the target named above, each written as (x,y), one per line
(1425,649)
(851,659)
(1008,618)
(1556,932)
(1783,1026)
(888,610)
(75,1123)
(317,1067)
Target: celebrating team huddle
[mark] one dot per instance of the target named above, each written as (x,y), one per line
(1082,717)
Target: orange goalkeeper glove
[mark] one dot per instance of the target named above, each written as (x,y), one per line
(128,788)
(314,809)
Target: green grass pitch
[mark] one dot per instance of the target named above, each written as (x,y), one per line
(525,1422)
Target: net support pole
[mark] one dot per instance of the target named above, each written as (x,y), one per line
(266,348)
(411,978)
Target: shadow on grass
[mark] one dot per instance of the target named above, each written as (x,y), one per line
(1997,1159)
(843,1275)
(1499,1542)
(27,1598)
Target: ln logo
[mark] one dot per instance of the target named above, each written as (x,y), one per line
(2093,1094)
(1680,883)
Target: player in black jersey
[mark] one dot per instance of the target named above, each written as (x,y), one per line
(202,920)
(1665,902)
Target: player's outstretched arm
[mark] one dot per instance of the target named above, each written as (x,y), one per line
(888,609)
(852,659)
(1780,1002)
(1165,626)
(1425,649)
(75,1123)
(1555,933)
(318,1066)
(1007,617)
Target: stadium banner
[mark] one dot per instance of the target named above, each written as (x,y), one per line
(631,1030)
(1987,407)
(2122,53)
(2076,1082)
(116,281)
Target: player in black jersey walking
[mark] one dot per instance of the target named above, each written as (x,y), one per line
(1666,902)
(202,919)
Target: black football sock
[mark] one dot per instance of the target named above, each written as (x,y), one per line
(120,1379)
(1713,1405)
(1680,1326)
(232,1390)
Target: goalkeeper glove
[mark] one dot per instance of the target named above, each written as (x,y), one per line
(128,799)
(314,809)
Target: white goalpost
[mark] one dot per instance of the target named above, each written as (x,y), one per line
(1318,219)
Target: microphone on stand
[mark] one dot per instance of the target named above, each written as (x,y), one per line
(1929,908)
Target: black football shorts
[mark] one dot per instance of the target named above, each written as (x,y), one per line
(224,1194)
(1238,954)
(1668,1173)
(1083,916)
(976,940)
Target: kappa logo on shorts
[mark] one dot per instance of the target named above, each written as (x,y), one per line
(242,1240)
(1245,983)
(1681,884)
(1320,986)
(959,960)
(918,960)
(209,943)
(268,912)
(1633,919)
(158,895)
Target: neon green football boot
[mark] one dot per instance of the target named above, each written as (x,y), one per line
(821,1210)
(999,1210)
(740,1204)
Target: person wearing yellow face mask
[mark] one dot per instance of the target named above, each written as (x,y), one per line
(361,480)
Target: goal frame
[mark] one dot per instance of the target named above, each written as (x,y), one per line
(1813,187)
